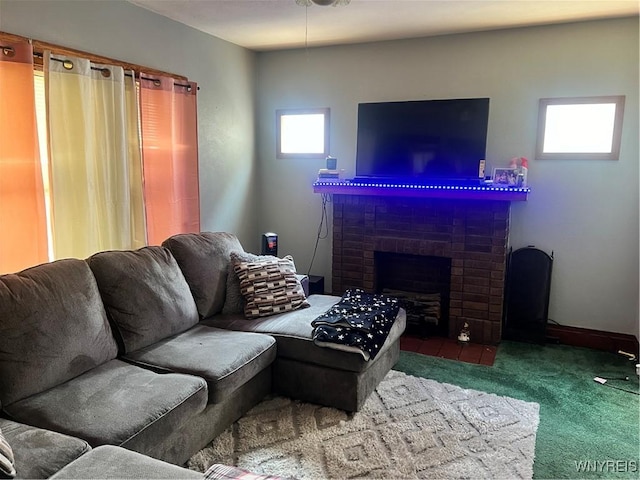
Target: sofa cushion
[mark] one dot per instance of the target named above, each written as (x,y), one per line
(145,294)
(269,286)
(111,462)
(53,327)
(7,461)
(225,359)
(116,403)
(40,453)
(294,334)
(204,261)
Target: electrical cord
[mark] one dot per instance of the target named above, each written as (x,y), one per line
(324,222)
(621,389)
(603,381)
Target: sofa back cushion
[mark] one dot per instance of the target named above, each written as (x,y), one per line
(204,258)
(53,327)
(145,294)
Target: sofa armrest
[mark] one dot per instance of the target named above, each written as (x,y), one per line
(304,280)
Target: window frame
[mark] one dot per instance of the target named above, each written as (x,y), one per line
(302,111)
(614,154)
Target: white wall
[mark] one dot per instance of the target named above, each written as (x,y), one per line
(586,212)
(224,72)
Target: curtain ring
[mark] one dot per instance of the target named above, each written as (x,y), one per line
(9,51)
(157,83)
(67,64)
(189,89)
(106,73)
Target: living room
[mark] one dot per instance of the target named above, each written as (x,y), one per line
(586,212)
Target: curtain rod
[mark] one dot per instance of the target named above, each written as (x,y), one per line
(40,46)
(105,71)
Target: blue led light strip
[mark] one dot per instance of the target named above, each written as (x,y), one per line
(485,188)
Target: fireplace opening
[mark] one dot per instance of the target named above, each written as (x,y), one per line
(422,283)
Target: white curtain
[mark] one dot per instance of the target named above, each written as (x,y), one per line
(94,157)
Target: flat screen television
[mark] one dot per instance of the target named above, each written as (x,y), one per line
(422,141)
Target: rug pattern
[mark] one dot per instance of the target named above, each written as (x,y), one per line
(409,427)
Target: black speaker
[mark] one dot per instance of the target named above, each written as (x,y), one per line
(527,289)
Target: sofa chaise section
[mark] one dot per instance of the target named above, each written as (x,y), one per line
(59,371)
(305,371)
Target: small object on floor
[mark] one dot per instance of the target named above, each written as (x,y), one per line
(603,381)
(465,335)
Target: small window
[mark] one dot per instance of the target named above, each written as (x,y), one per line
(583,128)
(302,133)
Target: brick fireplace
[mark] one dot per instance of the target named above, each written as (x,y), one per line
(472,233)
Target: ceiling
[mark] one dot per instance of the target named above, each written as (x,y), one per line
(280,24)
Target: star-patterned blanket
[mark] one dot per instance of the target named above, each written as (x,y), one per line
(360,321)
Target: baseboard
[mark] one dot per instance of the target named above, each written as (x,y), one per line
(596,339)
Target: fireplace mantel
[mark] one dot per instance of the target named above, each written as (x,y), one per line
(477,192)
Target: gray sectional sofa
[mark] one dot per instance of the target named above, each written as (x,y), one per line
(147,351)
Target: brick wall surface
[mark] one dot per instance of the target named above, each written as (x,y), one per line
(472,233)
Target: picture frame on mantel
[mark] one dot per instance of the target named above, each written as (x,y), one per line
(505,177)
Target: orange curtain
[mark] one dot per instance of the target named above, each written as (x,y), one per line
(170,156)
(23,227)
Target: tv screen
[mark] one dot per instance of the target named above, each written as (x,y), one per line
(422,141)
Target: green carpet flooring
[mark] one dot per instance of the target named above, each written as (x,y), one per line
(587,430)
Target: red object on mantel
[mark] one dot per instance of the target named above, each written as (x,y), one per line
(480,192)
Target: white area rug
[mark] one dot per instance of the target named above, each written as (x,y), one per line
(410,427)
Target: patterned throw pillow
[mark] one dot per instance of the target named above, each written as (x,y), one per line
(269,286)
(7,462)
(234,301)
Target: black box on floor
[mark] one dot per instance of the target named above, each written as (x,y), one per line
(316,285)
